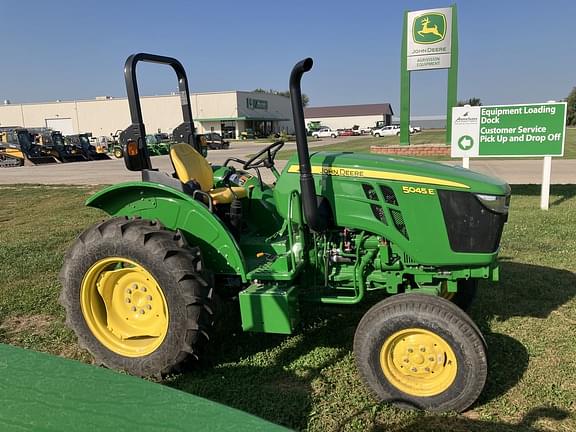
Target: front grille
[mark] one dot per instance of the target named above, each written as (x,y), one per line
(471,227)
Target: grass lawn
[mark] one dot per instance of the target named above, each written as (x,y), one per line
(438,136)
(308,380)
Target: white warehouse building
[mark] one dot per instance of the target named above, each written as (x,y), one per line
(229,113)
(346,116)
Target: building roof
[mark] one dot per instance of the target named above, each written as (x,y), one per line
(423,118)
(348,110)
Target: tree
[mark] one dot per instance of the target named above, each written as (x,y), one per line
(474,101)
(571,113)
(285,93)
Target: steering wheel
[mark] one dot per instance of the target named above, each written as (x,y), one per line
(258,161)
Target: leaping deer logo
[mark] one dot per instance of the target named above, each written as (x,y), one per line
(429,30)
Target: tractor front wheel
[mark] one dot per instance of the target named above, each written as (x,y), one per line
(135,296)
(421,351)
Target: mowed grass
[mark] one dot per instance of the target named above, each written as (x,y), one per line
(309,380)
(436,136)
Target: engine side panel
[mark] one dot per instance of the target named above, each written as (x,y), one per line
(404,207)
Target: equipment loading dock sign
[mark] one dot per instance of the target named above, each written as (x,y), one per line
(509,130)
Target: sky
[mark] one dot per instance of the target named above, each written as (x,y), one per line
(511,51)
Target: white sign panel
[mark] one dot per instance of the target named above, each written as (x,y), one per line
(429,39)
(509,130)
(465,131)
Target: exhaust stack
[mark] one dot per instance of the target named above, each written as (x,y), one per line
(308,190)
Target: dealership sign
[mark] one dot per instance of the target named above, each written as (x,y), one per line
(509,130)
(429,39)
(256,104)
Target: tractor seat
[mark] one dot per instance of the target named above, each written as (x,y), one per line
(192,166)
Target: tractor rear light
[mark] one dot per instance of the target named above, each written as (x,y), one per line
(132,148)
(496,203)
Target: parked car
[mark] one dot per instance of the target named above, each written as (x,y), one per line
(386,131)
(215,141)
(345,132)
(325,132)
(360,130)
(414,129)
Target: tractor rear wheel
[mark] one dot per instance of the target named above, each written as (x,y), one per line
(118,153)
(135,295)
(421,351)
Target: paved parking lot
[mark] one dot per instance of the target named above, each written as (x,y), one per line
(114,171)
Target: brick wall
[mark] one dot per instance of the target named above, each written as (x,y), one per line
(413,150)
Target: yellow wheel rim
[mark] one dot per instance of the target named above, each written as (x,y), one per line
(124,307)
(418,362)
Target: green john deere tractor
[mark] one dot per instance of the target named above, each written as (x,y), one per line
(140,287)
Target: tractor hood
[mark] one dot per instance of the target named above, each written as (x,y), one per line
(402,169)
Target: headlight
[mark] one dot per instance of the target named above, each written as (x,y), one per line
(496,203)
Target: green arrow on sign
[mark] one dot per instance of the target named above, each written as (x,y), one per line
(465,142)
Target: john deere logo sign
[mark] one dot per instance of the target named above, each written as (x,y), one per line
(429,28)
(429,39)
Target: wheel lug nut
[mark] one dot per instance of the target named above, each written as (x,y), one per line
(414,369)
(422,349)
(143,289)
(149,307)
(142,312)
(427,369)
(135,286)
(128,300)
(133,308)
(149,297)
(406,360)
(410,350)
(431,358)
(128,291)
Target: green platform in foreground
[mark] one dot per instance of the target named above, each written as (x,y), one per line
(42,392)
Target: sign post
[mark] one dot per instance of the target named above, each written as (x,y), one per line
(545,192)
(511,131)
(429,41)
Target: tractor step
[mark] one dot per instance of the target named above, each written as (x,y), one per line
(272,262)
(274,268)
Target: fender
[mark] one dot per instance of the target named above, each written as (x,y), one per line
(176,210)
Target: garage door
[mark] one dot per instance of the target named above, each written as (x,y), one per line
(63,125)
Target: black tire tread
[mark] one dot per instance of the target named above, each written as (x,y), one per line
(191,287)
(432,307)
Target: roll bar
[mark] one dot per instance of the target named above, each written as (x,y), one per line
(137,157)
